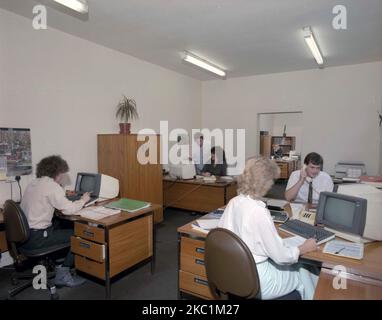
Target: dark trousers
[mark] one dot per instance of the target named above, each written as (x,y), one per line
(59,233)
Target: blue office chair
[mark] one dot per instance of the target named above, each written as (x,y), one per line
(231,268)
(17,232)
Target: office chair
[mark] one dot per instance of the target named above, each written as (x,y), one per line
(231,268)
(17,232)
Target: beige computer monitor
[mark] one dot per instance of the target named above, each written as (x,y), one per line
(373,225)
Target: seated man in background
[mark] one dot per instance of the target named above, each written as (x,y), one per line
(277,152)
(200,152)
(306,184)
(218,165)
(41,197)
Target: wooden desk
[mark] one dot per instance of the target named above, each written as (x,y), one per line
(197,195)
(357,288)
(107,247)
(193,280)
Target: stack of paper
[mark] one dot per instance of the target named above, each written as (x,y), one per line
(205,225)
(295,241)
(97,213)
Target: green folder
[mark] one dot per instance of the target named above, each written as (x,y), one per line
(129,205)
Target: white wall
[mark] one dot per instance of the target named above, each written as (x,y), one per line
(339,108)
(65,89)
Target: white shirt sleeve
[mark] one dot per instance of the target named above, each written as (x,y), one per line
(59,201)
(293,179)
(272,244)
(328,184)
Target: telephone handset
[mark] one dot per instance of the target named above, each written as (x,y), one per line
(308,179)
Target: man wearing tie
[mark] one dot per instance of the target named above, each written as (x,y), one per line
(306,184)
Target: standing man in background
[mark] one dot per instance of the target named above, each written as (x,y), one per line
(200,152)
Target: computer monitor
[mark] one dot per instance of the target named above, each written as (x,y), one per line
(99,185)
(183,170)
(351,216)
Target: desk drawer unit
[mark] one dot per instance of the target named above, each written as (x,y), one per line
(88,232)
(88,249)
(192,257)
(192,274)
(194,285)
(94,268)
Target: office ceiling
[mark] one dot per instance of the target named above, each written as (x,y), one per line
(245,37)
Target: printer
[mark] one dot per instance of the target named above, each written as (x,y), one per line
(349,169)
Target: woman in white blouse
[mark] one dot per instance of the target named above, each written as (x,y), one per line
(247,216)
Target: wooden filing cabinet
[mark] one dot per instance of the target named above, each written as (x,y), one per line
(192,272)
(117,157)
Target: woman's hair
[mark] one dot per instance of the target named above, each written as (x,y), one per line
(51,167)
(219,151)
(258,176)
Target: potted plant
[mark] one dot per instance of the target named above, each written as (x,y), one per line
(126,111)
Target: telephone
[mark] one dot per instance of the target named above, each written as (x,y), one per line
(308,179)
(307,217)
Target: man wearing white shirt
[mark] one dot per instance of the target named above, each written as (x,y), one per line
(306,184)
(41,197)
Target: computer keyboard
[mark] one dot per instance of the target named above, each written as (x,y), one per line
(307,231)
(76,197)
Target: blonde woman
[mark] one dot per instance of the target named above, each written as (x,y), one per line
(247,216)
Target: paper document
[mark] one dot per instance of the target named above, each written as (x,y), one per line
(97,213)
(207,224)
(344,249)
(295,241)
(296,209)
(199,229)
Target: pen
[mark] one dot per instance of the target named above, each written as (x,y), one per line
(339,250)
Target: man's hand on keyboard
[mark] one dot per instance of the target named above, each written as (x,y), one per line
(86,197)
(308,246)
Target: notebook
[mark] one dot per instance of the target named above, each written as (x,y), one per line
(344,249)
(129,205)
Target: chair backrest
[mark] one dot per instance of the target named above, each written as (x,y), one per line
(230,266)
(16,228)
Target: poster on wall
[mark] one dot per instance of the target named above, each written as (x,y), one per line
(15,152)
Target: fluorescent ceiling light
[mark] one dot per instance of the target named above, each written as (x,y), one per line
(80,6)
(312,44)
(191,58)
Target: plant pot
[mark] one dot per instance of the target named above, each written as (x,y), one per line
(124,128)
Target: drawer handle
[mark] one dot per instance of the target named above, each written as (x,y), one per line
(89,233)
(199,250)
(199,261)
(84,245)
(200,281)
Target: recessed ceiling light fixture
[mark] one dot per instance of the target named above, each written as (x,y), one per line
(80,6)
(312,44)
(193,59)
